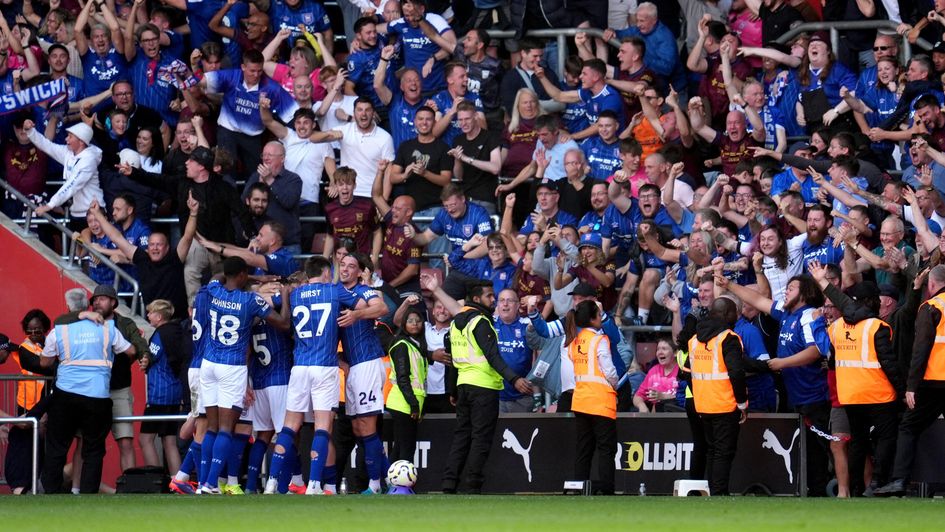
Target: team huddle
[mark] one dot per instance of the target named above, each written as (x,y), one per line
(245,375)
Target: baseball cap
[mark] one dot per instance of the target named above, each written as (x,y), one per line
(203,157)
(583,289)
(106,290)
(59,46)
(939,47)
(82,131)
(889,290)
(550,185)
(800,145)
(863,290)
(821,36)
(6,344)
(591,239)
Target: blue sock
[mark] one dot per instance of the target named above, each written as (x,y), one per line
(235,457)
(292,467)
(285,439)
(206,455)
(330,475)
(190,459)
(374,458)
(221,450)
(320,455)
(296,462)
(257,453)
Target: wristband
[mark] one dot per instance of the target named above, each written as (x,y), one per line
(385,59)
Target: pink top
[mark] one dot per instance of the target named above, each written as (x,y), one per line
(655,380)
(281,76)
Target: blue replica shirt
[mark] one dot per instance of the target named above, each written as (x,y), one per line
(800,330)
(839,76)
(310,14)
(773,120)
(137,233)
(782,183)
(444,101)
(459,231)
(231,319)
(401,114)
(500,276)
(359,342)
(199,323)
(621,229)
(514,352)
(650,261)
(101,71)
(743,277)
(761,392)
(280,262)
(272,356)
(176,46)
(240,110)
(417,48)
(560,218)
(883,103)
(164,388)
(607,99)
(825,252)
(199,13)
(150,90)
(574,116)
(315,311)
(593,220)
(101,273)
(361,67)
(603,158)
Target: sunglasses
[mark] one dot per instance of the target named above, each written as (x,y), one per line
(881,48)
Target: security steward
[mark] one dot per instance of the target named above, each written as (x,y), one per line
(85,351)
(408,377)
(925,384)
(869,381)
(718,388)
(474,346)
(594,402)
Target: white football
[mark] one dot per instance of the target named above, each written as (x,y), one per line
(402,474)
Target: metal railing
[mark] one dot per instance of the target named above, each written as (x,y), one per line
(837,26)
(72,244)
(35,423)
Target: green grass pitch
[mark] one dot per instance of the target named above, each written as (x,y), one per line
(487,513)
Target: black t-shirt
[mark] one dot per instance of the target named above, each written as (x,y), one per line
(777,23)
(573,201)
(437,157)
(477,184)
(163,279)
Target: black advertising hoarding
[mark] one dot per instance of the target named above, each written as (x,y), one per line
(534,453)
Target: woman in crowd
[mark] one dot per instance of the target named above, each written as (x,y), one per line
(658,392)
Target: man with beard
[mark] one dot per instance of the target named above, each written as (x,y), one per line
(423,164)
(480,371)
(257,201)
(593,220)
(266,252)
(124,213)
(419,51)
(816,243)
(364,61)
(104,303)
(285,188)
(803,346)
(399,264)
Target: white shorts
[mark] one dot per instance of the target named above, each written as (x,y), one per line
(246,415)
(364,389)
(269,408)
(222,385)
(312,388)
(193,381)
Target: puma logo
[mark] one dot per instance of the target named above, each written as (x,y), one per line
(511,442)
(771,442)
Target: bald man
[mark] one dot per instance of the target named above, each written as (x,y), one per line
(285,191)
(400,265)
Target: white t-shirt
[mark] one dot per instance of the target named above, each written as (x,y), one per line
(362,151)
(330,121)
(307,159)
(436,372)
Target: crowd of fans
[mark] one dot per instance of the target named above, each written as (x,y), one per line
(651,178)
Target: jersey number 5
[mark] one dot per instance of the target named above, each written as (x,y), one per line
(262,352)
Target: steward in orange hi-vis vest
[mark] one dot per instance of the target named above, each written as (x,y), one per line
(869,380)
(718,388)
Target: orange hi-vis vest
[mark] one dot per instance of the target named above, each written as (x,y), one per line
(935,370)
(28,393)
(860,378)
(593,394)
(711,388)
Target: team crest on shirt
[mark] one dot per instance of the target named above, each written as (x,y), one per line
(308,18)
(502,276)
(359,216)
(467,230)
(518,333)
(400,241)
